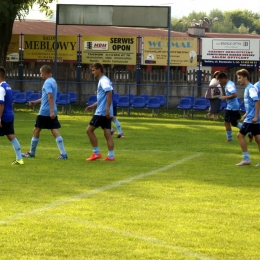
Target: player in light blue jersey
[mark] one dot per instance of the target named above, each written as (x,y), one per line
(232,114)
(48,115)
(251,117)
(7,116)
(103,114)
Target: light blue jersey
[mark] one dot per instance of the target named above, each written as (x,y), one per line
(250,97)
(232,103)
(49,86)
(104,85)
(257,84)
(6,98)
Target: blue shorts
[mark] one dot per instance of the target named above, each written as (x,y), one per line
(101,121)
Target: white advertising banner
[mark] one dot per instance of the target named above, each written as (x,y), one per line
(230,49)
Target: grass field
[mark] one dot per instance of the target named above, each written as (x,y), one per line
(173,192)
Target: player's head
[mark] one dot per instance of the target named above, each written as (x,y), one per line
(243,77)
(97,70)
(222,78)
(2,72)
(45,71)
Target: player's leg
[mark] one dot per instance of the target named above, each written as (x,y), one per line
(94,123)
(112,131)
(34,143)
(243,144)
(106,125)
(40,122)
(8,130)
(54,125)
(60,144)
(227,125)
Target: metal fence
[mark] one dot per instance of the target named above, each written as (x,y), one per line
(172,93)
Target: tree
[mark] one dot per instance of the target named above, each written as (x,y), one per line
(16,9)
(236,21)
(246,19)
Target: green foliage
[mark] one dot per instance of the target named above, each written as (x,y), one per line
(16,9)
(173,192)
(237,21)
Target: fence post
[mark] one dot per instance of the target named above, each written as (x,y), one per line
(138,69)
(192,110)
(79,60)
(20,68)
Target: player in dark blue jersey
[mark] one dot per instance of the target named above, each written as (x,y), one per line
(7,116)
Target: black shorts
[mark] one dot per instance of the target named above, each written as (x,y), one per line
(7,128)
(114,111)
(45,122)
(248,127)
(232,115)
(101,121)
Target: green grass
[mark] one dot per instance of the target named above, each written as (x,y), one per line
(173,192)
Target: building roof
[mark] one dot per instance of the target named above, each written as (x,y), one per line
(48,27)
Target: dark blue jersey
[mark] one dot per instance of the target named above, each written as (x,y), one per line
(6,98)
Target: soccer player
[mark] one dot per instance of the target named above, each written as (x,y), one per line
(103,114)
(232,114)
(251,118)
(115,120)
(7,116)
(48,114)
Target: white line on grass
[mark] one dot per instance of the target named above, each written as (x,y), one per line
(95,191)
(151,240)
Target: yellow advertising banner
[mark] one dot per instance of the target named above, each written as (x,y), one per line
(13,49)
(41,48)
(183,51)
(109,50)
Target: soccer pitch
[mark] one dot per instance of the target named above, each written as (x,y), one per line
(173,192)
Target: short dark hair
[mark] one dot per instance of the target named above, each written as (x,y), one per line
(222,75)
(244,73)
(98,66)
(2,71)
(46,68)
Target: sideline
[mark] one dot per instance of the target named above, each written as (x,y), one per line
(93,192)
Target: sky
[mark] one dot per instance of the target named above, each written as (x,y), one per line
(179,8)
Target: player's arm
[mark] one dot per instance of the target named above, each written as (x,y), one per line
(234,95)
(108,104)
(35,102)
(51,103)
(91,107)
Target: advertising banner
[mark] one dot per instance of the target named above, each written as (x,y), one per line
(109,50)
(230,52)
(41,48)
(183,51)
(13,49)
